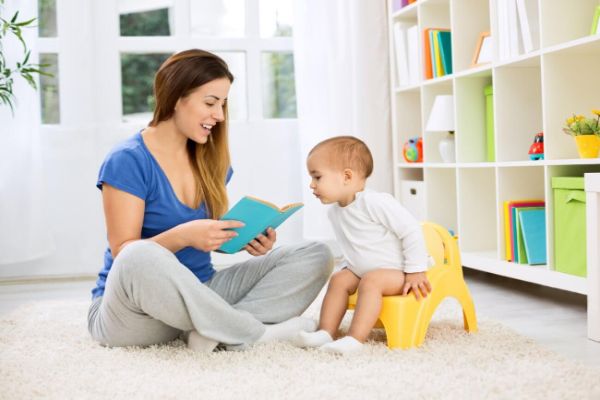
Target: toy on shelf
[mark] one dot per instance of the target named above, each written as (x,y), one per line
(536,150)
(413,150)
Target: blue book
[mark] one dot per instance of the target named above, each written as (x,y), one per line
(519,255)
(533,227)
(446,51)
(257,215)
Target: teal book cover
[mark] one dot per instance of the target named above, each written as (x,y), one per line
(533,227)
(257,215)
(518,256)
(446,51)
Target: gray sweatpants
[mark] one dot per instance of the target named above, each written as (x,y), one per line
(150,297)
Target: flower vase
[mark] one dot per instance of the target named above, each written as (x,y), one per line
(588,146)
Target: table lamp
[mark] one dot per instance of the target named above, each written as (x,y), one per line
(441,119)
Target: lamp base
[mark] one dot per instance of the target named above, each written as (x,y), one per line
(447,148)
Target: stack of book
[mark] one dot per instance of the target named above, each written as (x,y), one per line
(437,52)
(518,27)
(525,231)
(406,43)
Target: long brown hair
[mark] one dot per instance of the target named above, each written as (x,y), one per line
(176,78)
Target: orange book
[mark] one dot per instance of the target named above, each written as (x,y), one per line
(427,54)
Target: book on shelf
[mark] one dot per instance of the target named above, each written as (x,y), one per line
(518,27)
(528,22)
(533,231)
(412,38)
(437,52)
(406,47)
(445,41)
(510,231)
(257,215)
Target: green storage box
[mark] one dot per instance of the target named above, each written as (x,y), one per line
(488,91)
(569,225)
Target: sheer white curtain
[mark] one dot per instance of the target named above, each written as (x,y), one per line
(342,87)
(24,228)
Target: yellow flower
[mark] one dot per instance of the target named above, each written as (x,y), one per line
(597,112)
(580,118)
(570,120)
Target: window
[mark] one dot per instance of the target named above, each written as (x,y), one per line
(279,89)
(137,77)
(147,23)
(48,89)
(222,18)
(276,18)
(47,18)
(259,54)
(49,84)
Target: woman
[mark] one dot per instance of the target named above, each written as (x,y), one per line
(166,185)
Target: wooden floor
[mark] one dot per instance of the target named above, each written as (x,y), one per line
(554,318)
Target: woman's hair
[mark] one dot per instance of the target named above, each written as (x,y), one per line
(177,77)
(347,152)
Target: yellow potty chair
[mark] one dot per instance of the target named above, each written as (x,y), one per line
(405,319)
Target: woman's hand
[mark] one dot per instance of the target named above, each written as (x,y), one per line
(417,283)
(262,244)
(207,234)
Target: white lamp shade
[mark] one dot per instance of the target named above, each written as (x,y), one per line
(441,117)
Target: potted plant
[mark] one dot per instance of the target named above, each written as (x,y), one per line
(586,132)
(24,68)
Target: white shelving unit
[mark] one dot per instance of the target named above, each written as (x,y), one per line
(532,92)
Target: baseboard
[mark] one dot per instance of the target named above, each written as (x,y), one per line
(39,279)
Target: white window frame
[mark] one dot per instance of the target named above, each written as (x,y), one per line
(91,59)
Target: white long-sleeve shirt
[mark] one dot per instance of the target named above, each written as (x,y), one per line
(376,231)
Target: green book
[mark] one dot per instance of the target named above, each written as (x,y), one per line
(446,51)
(257,215)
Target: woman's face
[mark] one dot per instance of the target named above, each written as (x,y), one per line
(197,113)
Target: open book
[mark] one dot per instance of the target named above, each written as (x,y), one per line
(258,215)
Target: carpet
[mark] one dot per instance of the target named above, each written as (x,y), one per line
(46,352)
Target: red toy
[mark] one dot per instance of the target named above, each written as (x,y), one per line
(536,151)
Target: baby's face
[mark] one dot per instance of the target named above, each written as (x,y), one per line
(327,183)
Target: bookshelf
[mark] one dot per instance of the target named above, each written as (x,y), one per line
(532,92)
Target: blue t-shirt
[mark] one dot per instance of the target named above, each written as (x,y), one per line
(131,168)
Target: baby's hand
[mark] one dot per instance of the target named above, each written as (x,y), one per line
(417,283)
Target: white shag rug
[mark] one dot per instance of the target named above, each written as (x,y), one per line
(46,352)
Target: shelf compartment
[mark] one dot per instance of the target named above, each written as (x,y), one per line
(469,20)
(556,171)
(564,74)
(469,104)
(518,109)
(518,183)
(563,21)
(477,209)
(441,201)
(431,140)
(434,14)
(408,111)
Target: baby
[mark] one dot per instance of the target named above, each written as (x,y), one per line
(382,244)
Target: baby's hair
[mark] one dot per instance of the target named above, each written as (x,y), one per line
(348,152)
